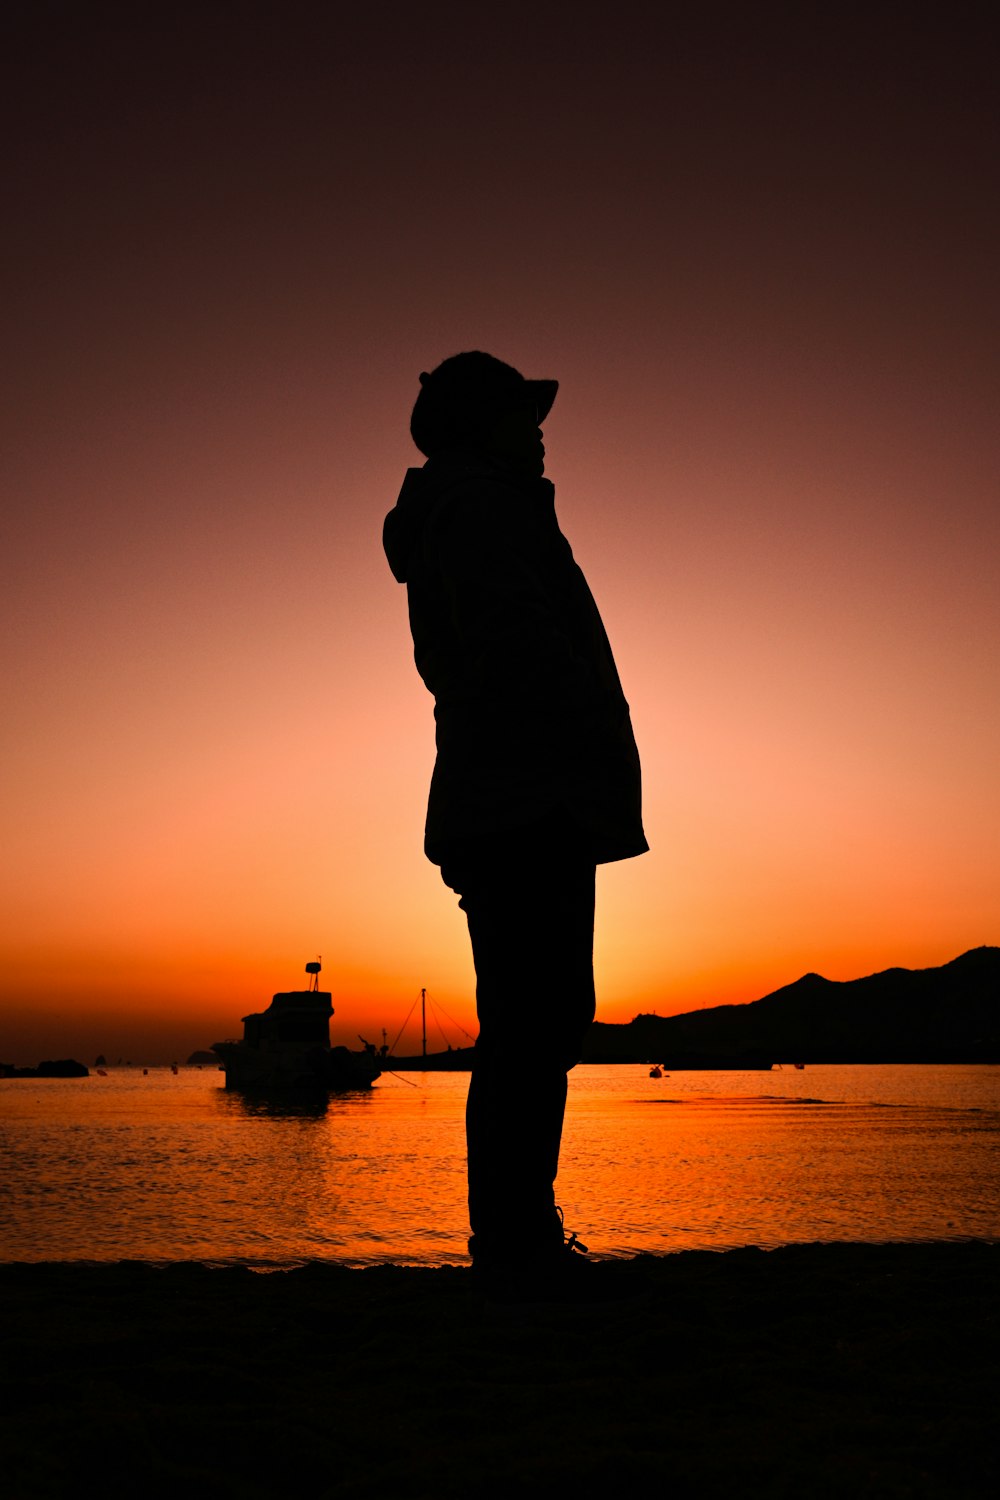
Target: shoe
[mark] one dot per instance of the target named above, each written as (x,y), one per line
(563,1277)
(572,1243)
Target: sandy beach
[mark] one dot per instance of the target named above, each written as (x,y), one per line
(819,1370)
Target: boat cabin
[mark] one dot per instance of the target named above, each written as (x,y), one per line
(298,1016)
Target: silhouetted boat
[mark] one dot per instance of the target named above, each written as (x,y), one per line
(287,1047)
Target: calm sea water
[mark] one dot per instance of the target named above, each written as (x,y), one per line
(171,1167)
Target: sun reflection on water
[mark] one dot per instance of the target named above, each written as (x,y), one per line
(167,1167)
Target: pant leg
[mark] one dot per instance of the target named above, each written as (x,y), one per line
(531,922)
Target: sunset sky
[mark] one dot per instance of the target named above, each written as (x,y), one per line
(757,246)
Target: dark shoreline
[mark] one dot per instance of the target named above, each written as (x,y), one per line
(815,1370)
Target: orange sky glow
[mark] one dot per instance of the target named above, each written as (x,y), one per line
(765,279)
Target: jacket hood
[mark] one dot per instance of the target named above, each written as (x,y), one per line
(404,525)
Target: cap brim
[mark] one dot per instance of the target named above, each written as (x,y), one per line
(543,393)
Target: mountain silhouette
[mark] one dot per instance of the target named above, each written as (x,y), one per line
(947,1014)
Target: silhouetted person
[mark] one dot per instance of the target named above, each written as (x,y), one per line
(536,781)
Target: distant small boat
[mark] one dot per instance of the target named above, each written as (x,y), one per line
(287,1047)
(453,1060)
(655,1072)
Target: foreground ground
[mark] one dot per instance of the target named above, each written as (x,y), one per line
(819,1370)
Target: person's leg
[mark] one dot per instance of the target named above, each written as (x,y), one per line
(531,923)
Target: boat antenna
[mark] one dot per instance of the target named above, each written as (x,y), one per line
(313,970)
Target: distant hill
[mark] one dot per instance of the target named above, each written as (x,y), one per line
(948,1014)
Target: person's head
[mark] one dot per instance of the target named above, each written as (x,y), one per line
(473,401)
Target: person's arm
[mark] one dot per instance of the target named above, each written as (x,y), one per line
(517,635)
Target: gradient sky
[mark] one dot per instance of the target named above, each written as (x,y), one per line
(758,249)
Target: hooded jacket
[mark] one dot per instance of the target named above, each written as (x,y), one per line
(532,723)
